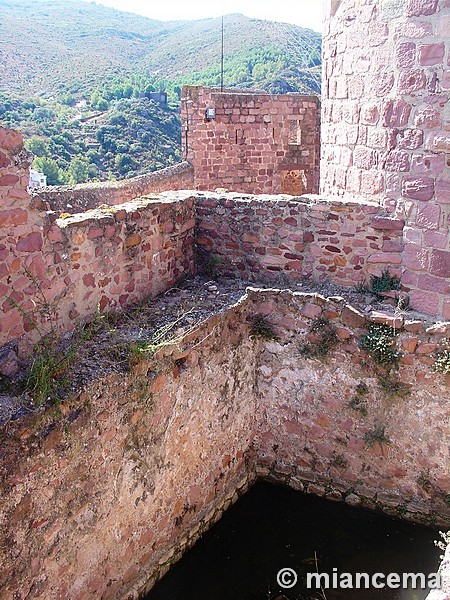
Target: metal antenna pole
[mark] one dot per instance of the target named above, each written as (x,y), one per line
(221,61)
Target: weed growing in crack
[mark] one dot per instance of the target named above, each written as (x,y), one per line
(392,386)
(442,356)
(358,402)
(424,481)
(380,344)
(262,328)
(339,461)
(383,283)
(48,376)
(326,339)
(377,435)
(212,266)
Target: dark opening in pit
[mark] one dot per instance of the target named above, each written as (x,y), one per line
(271,528)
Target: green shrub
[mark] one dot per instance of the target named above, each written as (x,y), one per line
(327,339)
(384,283)
(262,328)
(379,343)
(377,435)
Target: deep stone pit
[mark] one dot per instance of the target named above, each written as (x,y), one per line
(102,494)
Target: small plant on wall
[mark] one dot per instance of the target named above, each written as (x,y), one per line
(376,435)
(213,266)
(325,339)
(262,328)
(442,356)
(380,344)
(358,402)
(48,374)
(384,283)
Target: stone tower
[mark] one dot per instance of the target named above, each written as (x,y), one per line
(386,125)
(386,108)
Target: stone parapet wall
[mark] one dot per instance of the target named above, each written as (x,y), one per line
(284,238)
(185,432)
(343,240)
(115,256)
(255,142)
(85,196)
(100,260)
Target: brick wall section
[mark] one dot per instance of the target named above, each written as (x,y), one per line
(111,258)
(82,197)
(386,126)
(283,238)
(81,527)
(256,143)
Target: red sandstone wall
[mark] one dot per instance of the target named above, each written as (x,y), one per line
(386,109)
(256,143)
(180,442)
(386,126)
(267,238)
(79,198)
(108,258)
(312,439)
(100,497)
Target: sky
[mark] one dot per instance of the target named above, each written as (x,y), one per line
(306,13)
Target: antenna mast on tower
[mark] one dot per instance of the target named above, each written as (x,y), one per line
(221,61)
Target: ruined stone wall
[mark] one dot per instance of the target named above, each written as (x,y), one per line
(255,142)
(101,496)
(313,436)
(386,125)
(85,196)
(105,259)
(283,239)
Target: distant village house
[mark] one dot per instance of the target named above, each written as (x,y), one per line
(37,180)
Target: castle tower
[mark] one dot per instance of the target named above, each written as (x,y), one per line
(386,108)
(386,126)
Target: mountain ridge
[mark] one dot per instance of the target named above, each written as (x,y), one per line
(80,79)
(58,39)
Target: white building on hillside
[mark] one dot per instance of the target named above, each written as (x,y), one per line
(37,180)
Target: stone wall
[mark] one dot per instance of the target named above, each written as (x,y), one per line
(115,256)
(85,196)
(102,495)
(281,238)
(386,125)
(255,142)
(105,259)
(313,437)
(386,108)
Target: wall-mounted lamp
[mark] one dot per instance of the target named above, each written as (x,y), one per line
(210,113)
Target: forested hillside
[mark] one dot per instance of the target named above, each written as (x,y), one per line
(77,79)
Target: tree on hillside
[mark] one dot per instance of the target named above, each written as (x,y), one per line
(37,146)
(48,166)
(78,171)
